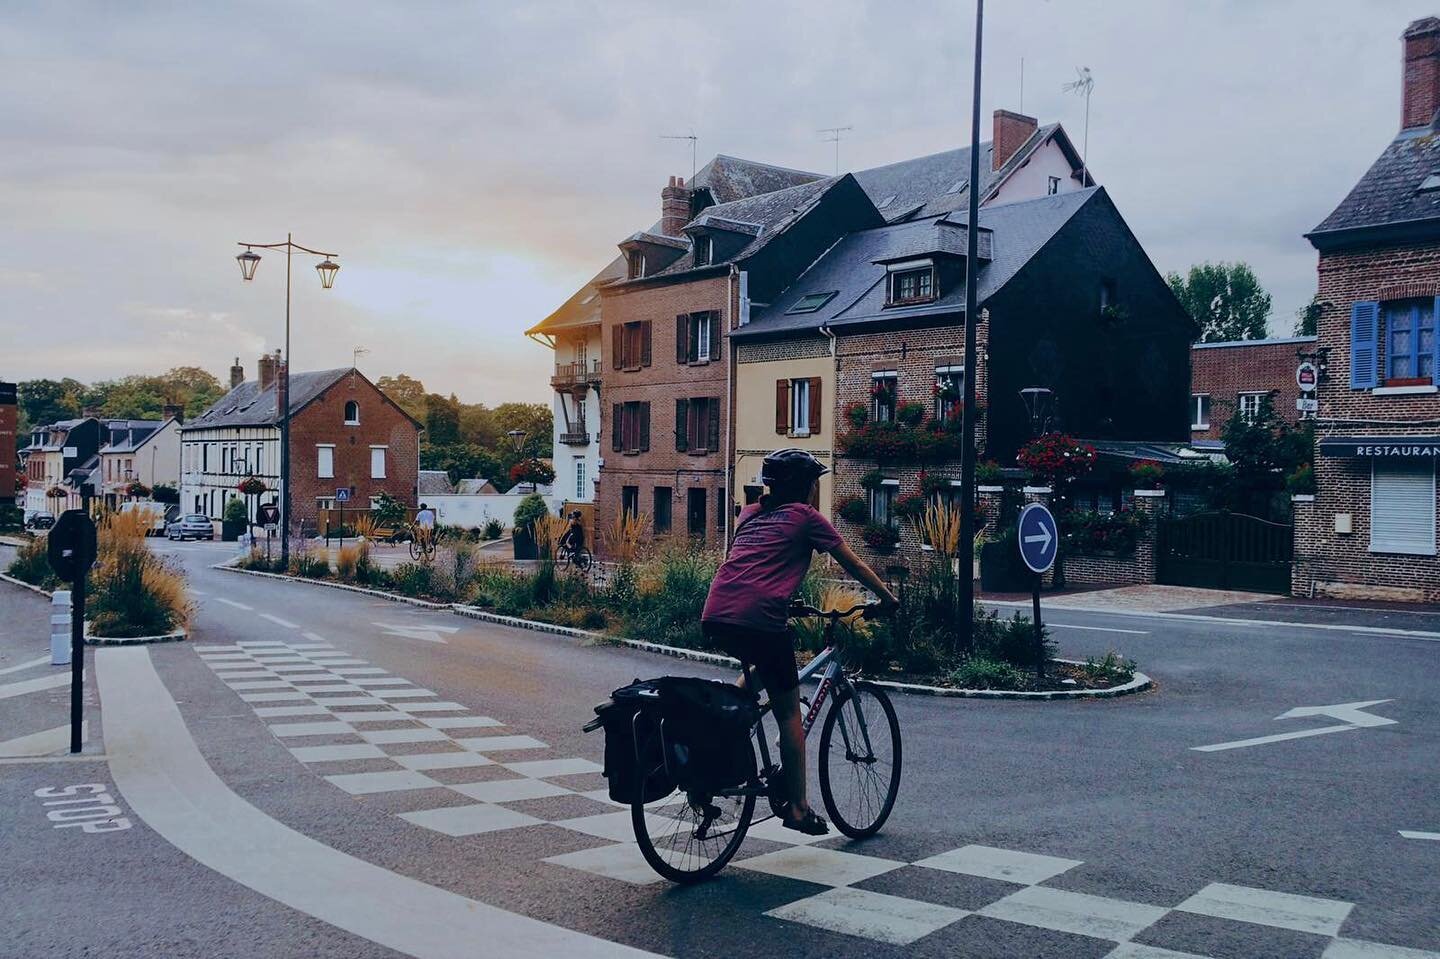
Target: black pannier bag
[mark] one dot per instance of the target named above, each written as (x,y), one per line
(692,733)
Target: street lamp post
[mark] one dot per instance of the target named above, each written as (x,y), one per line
(967,411)
(327,268)
(1040,404)
(517,440)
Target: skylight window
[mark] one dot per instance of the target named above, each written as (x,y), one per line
(1430,183)
(811,302)
(957,186)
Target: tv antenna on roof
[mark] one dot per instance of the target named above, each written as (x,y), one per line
(834,137)
(693,141)
(355,355)
(1082,85)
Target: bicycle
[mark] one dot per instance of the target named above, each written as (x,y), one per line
(691,838)
(579,557)
(422,542)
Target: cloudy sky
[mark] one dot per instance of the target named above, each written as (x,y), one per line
(474,163)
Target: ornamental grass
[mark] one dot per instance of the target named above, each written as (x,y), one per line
(135,592)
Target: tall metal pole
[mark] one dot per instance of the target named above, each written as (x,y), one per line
(967,413)
(282,400)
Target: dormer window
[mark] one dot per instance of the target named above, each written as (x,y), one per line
(1054,186)
(704,250)
(352,413)
(912,286)
(635,262)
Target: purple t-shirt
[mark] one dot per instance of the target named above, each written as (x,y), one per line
(768,559)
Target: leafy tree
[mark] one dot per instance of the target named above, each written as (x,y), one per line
(535,419)
(1225,300)
(406,392)
(1307,318)
(1263,450)
(45,401)
(442,419)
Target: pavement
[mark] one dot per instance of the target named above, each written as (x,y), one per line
(322,773)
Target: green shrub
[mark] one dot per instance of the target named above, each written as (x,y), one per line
(32,564)
(872,480)
(989,473)
(235,511)
(531,508)
(255,559)
(1302,481)
(980,673)
(493,529)
(1010,640)
(670,614)
(413,579)
(1113,669)
(308,564)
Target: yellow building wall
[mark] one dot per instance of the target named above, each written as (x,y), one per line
(755,435)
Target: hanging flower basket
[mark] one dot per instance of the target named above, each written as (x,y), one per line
(857,414)
(910,413)
(251,486)
(872,480)
(138,490)
(1057,458)
(1146,474)
(57,492)
(880,536)
(852,509)
(911,506)
(930,483)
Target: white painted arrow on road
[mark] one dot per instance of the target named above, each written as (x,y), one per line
(1349,713)
(431,634)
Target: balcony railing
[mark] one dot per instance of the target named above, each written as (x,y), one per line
(575,439)
(576,373)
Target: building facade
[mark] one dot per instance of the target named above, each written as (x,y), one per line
(344,433)
(1371,529)
(139,451)
(9,476)
(55,452)
(1231,377)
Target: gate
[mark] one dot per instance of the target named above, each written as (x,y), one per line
(1225,551)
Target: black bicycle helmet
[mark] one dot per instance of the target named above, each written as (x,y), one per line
(787,466)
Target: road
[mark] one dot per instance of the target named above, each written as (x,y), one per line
(280,778)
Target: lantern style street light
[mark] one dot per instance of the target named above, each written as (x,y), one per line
(327,268)
(1040,404)
(517,438)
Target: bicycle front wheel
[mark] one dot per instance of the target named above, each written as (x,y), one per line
(414,549)
(860,767)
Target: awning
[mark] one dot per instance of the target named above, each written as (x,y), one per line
(1381,447)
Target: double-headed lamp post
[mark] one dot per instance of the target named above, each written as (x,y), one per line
(327,268)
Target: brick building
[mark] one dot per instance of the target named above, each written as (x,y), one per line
(8,455)
(1238,375)
(1371,528)
(344,432)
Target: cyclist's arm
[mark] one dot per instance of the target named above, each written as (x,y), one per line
(861,570)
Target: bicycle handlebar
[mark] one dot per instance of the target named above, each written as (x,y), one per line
(799,609)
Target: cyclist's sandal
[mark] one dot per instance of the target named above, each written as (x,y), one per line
(810,824)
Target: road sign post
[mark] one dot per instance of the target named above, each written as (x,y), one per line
(342,496)
(269,517)
(70,548)
(1039,540)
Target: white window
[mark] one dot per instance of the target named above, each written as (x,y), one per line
(949,391)
(377,462)
(580,478)
(1250,404)
(882,503)
(325,462)
(1402,507)
(884,387)
(1199,411)
(580,414)
(352,413)
(701,336)
(800,407)
(324,502)
(1054,187)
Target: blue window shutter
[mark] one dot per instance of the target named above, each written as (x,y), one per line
(1364,344)
(1435,325)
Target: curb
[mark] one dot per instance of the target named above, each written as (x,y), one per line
(177,636)
(6,578)
(410,601)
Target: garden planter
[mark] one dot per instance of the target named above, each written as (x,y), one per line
(524,543)
(1000,570)
(230,530)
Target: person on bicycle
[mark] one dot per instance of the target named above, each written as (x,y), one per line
(746,611)
(573,538)
(425,518)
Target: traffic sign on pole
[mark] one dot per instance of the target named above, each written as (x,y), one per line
(71,551)
(342,494)
(1039,537)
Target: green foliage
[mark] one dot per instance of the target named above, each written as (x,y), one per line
(1225,300)
(880,536)
(235,511)
(910,412)
(1085,531)
(32,564)
(670,612)
(911,506)
(1111,670)
(852,509)
(306,563)
(1009,640)
(11,517)
(529,509)
(45,401)
(988,473)
(872,480)
(388,511)
(165,493)
(493,529)
(1301,481)
(413,579)
(980,673)
(1307,318)
(1146,474)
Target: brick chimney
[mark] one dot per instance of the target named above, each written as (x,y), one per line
(1011,131)
(1420,97)
(172,412)
(267,370)
(237,374)
(674,206)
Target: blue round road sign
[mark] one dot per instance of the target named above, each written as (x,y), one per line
(1039,537)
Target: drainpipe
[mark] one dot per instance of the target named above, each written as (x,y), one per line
(730,408)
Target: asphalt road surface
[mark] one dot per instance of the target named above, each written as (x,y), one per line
(320,773)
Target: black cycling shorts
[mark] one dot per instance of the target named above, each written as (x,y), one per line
(771,653)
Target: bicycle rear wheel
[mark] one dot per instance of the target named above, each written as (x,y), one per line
(860,768)
(688,837)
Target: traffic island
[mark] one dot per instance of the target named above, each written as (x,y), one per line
(175,636)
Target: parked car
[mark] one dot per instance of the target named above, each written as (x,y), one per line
(40,519)
(154,513)
(191,526)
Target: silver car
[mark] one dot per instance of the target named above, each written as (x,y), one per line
(191,526)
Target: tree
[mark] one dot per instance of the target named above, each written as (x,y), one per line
(1225,300)
(405,392)
(536,419)
(1263,450)
(1307,318)
(45,401)
(442,419)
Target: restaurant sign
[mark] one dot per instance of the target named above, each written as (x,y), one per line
(1381,447)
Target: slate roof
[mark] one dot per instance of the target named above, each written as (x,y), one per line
(1020,230)
(434,482)
(136,433)
(1389,193)
(248,405)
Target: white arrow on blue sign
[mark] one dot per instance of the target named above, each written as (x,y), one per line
(1039,537)
(342,495)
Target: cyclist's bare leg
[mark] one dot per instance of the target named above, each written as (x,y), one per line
(786,708)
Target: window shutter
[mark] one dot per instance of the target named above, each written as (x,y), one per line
(617,347)
(644,427)
(1435,341)
(682,338)
(645,342)
(1402,507)
(617,427)
(714,404)
(814,423)
(782,406)
(1364,344)
(682,426)
(714,335)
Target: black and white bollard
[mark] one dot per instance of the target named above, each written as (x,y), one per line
(60,628)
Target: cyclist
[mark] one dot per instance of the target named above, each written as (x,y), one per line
(573,538)
(425,526)
(746,611)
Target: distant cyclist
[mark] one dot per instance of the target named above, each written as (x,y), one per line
(425,518)
(573,538)
(746,611)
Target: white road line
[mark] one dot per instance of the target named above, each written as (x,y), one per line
(1411,834)
(231,602)
(1277,738)
(42,743)
(278,621)
(1427,636)
(151,752)
(315,638)
(1101,629)
(1279,910)
(30,665)
(35,685)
